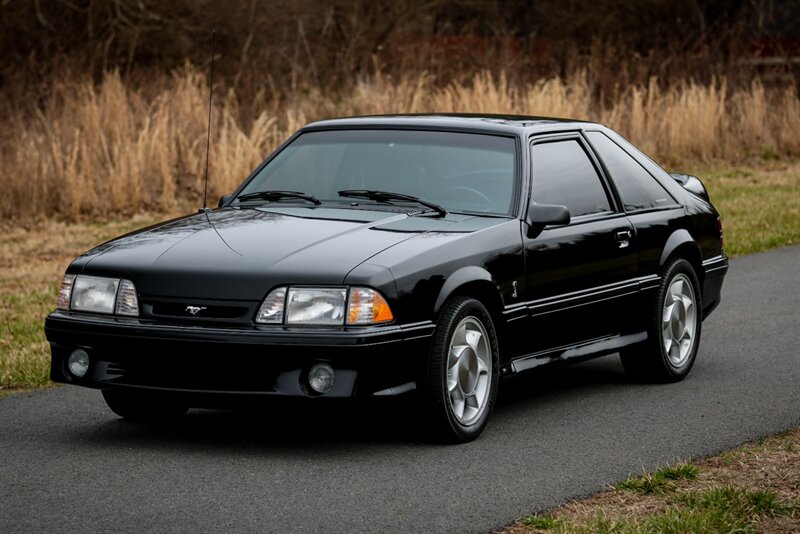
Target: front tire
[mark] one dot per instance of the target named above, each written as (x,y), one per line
(673,335)
(462,371)
(144,407)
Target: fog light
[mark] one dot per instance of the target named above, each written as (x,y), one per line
(321,377)
(78,363)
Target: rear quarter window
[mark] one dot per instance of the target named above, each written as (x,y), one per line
(636,187)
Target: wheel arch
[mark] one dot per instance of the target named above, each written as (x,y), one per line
(473,282)
(681,245)
(477,283)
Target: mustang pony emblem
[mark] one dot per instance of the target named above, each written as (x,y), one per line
(194,310)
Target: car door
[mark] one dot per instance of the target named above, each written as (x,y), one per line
(580,277)
(653,212)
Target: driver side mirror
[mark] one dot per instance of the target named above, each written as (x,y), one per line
(541,215)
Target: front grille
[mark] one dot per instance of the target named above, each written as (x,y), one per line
(192,311)
(208,311)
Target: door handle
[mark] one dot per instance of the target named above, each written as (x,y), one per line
(623,238)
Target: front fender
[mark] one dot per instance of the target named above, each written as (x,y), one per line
(462,276)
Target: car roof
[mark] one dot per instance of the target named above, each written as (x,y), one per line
(509,124)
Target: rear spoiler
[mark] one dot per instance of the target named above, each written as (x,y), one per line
(692,184)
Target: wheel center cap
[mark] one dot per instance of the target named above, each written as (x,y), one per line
(678,320)
(468,371)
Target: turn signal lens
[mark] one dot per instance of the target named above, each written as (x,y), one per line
(367,306)
(271,311)
(127,302)
(65,292)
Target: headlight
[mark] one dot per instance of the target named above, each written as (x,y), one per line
(94,294)
(324,306)
(98,295)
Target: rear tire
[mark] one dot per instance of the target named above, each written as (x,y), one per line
(673,335)
(144,406)
(462,372)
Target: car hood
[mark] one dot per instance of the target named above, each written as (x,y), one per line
(240,254)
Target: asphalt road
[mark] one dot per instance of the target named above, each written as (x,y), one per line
(68,464)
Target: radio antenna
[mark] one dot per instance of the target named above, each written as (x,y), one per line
(208,131)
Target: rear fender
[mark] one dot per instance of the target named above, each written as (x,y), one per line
(681,244)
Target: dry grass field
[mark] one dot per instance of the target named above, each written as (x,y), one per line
(88,151)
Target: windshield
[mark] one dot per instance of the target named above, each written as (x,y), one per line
(460,171)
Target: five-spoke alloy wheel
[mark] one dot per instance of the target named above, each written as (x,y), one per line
(674,331)
(462,370)
(679,320)
(469,370)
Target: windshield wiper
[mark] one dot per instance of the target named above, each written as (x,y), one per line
(385,196)
(276,195)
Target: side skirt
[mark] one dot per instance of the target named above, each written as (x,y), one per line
(589,349)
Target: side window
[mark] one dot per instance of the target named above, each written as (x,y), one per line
(638,189)
(563,174)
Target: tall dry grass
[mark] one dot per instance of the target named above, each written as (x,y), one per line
(100,149)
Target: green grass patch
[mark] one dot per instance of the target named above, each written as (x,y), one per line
(736,501)
(542,522)
(25,361)
(661,480)
(721,509)
(760,208)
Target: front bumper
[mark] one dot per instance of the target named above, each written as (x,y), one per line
(225,361)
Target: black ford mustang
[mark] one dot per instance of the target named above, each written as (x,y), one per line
(382,255)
